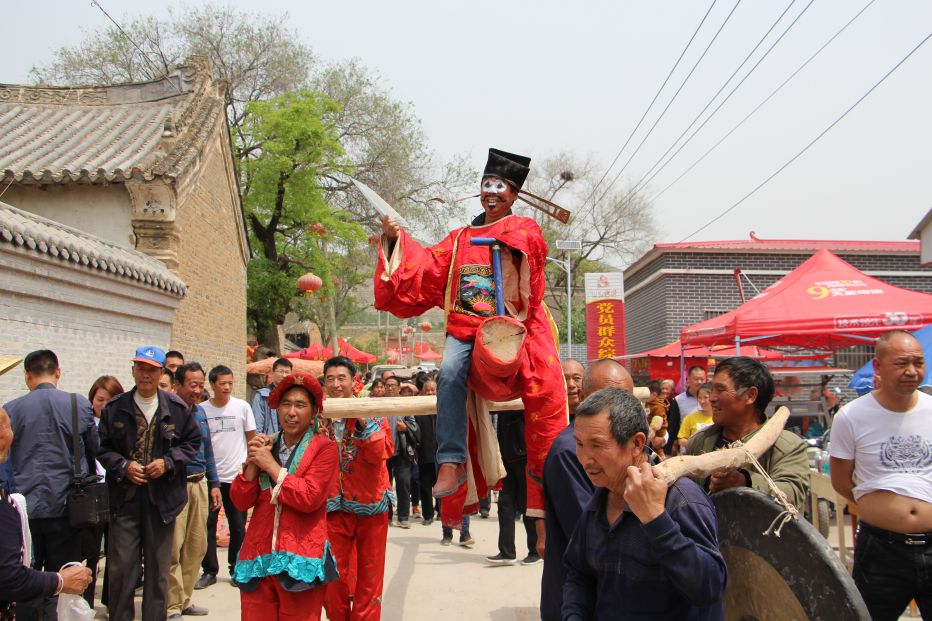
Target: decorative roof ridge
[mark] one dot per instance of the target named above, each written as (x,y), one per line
(45,236)
(176,118)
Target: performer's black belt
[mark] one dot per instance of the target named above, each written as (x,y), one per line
(908,539)
(194,478)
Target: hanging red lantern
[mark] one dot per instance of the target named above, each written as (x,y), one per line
(407,330)
(425,326)
(310,283)
(319,228)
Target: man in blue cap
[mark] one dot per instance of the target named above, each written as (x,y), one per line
(147,437)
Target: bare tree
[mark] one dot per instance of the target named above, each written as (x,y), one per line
(613,231)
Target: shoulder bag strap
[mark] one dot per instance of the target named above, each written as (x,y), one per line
(74,435)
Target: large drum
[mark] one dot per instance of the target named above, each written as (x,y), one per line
(794,577)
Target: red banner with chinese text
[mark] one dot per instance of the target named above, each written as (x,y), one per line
(605,315)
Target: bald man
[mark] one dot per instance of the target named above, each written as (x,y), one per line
(573,373)
(567,488)
(881,457)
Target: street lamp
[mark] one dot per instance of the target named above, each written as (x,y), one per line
(568,245)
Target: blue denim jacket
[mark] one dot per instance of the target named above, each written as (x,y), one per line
(266,417)
(41,452)
(204,460)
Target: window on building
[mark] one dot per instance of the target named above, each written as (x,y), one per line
(711,313)
(854,357)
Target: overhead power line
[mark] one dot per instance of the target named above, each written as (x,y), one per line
(812,142)
(651,173)
(649,106)
(761,104)
(145,57)
(670,103)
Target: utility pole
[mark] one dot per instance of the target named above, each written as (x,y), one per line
(567,245)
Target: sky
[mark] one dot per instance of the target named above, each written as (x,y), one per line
(540,77)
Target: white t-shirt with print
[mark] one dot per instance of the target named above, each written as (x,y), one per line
(892,451)
(228,427)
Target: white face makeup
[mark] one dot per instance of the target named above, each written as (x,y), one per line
(493,185)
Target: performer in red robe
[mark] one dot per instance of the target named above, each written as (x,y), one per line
(457,276)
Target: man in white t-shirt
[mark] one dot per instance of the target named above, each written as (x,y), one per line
(682,406)
(881,457)
(232,426)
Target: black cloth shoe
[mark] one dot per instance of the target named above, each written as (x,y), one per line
(205,581)
(530,559)
(500,559)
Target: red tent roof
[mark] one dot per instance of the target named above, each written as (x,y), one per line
(823,303)
(355,355)
(672,350)
(422,351)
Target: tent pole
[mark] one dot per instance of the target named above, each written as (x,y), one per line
(737,345)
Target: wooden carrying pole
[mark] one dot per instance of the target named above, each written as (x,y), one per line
(412,406)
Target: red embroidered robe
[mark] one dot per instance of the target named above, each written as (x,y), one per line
(457,276)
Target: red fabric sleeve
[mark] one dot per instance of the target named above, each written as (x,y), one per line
(420,280)
(307,490)
(243,493)
(378,447)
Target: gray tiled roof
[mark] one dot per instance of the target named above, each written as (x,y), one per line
(107,134)
(44,236)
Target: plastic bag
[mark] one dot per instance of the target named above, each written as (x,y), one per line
(73,608)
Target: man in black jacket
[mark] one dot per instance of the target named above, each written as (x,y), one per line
(147,439)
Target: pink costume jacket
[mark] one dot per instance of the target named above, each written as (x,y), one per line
(457,276)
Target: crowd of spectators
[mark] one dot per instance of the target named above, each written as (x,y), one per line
(323,493)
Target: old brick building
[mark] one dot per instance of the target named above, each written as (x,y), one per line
(139,167)
(675,285)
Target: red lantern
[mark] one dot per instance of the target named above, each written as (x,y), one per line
(425,326)
(407,330)
(310,282)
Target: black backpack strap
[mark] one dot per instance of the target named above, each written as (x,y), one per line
(74,435)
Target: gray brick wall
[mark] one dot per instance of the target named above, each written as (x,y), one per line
(657,312)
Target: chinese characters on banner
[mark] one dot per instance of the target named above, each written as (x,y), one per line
(605,315)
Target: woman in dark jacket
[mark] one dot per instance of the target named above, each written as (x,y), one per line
(18,582)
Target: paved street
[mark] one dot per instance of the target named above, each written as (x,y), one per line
(427,581)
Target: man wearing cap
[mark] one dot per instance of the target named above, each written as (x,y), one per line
(147,438)
(457,276)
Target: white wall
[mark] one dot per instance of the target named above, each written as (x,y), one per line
(103,211)
(92,321)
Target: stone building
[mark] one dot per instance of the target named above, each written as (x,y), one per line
(135,170)
(676,285)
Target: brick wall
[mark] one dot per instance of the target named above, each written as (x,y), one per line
(210,326)
(94,322)
(657,312)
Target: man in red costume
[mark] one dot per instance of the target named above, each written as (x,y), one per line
(458,277)
(357,509)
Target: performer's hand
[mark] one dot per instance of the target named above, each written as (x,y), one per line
(400,426)
(215,499)
(135,473)
(540,525)
(155,469)
(645,492)
(726,479)
(390,228)
(261,456)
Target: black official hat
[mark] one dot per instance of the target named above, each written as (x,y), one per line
(507,166)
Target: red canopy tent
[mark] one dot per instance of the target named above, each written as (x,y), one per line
(355,355)
(664,362)
(314,351)
(823,304)
(422,351)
